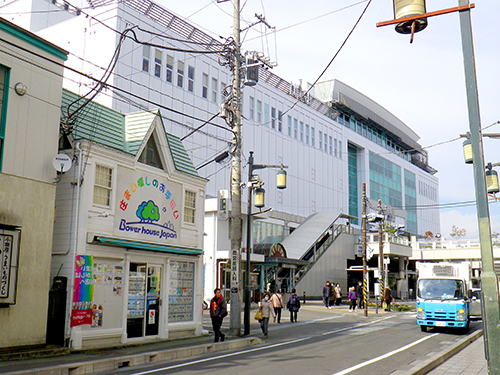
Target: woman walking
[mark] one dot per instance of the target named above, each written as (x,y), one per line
(277,301)
(293,305)
(387,299)
(338,295)
(267,311)
(353,297)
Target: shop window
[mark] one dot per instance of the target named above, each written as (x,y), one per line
(181,292)
(190,78)
(145,58)
(4,82)
(189,206)
(170,68)
(102,185)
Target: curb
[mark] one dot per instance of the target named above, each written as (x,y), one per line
(109,364)
(427,365)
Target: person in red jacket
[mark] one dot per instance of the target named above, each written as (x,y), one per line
(218,310)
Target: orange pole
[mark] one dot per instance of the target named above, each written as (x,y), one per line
(425,15)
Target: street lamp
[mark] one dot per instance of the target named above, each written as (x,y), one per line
(255,185)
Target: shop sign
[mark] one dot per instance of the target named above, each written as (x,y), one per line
(83,291)
(9,253)
(148,208)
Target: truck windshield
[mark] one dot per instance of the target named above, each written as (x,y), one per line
(440,289)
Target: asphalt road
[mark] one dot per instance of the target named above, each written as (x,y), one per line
(322,342)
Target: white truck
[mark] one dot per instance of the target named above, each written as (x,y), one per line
(443,295)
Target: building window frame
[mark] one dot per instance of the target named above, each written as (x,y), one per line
(158,56)
(204,86)
(190,78)
(180,73)
(189,206)
(146,56)
(215,85)
(103,185)
(170,68)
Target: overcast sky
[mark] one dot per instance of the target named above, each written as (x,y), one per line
(421,83)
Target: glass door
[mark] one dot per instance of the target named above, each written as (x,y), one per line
(143,307)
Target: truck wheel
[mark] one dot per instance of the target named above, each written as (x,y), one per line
(423,328)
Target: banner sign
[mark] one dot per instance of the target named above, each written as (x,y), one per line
(9,254)
(148,208)
(83,291)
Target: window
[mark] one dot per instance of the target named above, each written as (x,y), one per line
(170,68)
(307,134)
(204,84)
(335,147)
(320,140)
(340,149)
(301,131)
(280,121)
(180,73)
(189,206)
(251,107)
(358,128)
(214,90)
(326,143)
(289,118)
(295,128)
(150,154)
(145,58)
(4,83)
(330,143)
(102,185)
(259,111)
(158,63)
(266,114)
(190,78)
(273,117)
(312,136)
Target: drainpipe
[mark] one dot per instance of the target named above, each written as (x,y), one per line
(75,235)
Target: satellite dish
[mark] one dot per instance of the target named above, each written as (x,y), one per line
(62,163)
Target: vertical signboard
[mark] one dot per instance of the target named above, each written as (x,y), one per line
(9,254)
(83,291)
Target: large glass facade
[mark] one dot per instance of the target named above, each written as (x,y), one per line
(411,202)
(267,233)
(353,181)
(385,181)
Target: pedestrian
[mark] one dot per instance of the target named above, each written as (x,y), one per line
(338,295)
(361,296)
(277,301)
(353,296)
(327,293)
(267,311)
(218,310)
(387,299)
(293,305)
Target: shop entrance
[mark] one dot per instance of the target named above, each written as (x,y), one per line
(144,300)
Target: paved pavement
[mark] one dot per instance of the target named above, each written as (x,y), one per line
(469,361)
(466,361)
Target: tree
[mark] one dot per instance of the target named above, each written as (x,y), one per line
(429,236)
(457,232)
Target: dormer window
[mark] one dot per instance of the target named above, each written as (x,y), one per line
(150,154)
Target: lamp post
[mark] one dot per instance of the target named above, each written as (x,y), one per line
(256,184)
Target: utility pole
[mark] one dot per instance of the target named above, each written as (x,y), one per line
(380,254)
(236,225)
(363,223)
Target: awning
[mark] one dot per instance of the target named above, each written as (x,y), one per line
(149,246)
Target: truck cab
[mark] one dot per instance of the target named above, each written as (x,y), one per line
(443,296)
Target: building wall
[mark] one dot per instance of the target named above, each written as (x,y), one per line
(29,206)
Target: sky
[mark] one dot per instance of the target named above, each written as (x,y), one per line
(422,83)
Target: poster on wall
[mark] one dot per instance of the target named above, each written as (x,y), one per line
(83,291)
(148,208)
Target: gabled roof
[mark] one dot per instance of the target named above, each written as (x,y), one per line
(126,133)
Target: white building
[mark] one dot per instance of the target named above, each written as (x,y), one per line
(30,95)
(333,140)
(129,226)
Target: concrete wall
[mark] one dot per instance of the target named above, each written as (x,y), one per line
(28,205)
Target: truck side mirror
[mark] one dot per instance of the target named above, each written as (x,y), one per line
(469,293)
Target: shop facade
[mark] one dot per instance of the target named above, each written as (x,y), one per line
(128,233)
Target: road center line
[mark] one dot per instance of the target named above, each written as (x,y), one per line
(353,368)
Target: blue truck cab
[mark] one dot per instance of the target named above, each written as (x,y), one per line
(443,295)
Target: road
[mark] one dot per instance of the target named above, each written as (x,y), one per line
(325,342)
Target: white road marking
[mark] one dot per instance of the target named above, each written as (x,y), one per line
(353,368)
(257,349)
